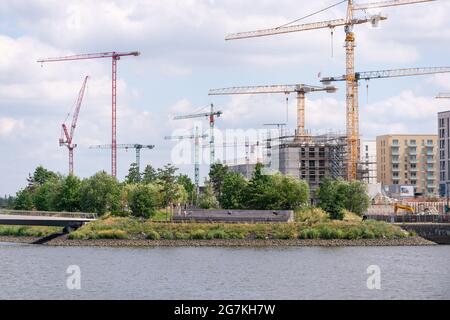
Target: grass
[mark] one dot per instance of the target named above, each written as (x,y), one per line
(309,224)
(24,231)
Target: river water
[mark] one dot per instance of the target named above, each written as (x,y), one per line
(40,272)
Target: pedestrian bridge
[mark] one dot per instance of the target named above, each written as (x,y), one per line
(67,220)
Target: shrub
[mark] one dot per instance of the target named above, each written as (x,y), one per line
(217,234)
(311,215)
(309,234)
(285,235)
(167,235)
(111,234)
(198,234)
(236,235)
(367,234)
(182,236)
(153,235)
(143,200)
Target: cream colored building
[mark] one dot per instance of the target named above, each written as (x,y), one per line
(409,160)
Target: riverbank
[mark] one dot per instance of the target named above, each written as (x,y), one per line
(64,241)
(310,228)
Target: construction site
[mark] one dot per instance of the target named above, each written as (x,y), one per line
(297,153)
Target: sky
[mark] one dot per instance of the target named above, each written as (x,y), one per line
(183,55)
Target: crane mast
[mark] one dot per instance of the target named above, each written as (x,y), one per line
(352,108)
(196,137)
(115,56)
(212,115)
(67,137)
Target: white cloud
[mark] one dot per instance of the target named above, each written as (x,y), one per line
(183,55)
(8,125)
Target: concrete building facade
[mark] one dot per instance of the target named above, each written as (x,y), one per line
(311,159)
(368,161)
(444,152)
(409,160)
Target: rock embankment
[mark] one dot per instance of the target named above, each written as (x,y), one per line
(127,243)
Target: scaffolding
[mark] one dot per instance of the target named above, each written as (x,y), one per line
(311,158)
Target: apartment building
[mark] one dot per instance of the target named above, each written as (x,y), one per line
(444,152)
(368,161)
(409,160)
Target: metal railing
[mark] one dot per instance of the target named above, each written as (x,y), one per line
(82,215)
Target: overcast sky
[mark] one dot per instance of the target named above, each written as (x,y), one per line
(184,54)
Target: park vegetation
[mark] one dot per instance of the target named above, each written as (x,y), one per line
(138,205)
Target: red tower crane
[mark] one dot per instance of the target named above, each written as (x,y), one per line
(66,137)
(115,56)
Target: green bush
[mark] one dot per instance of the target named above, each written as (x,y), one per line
(143,200)
(367,234)
(236,235)
(167,235)
(198,234)
(153,235)
(217,234)
(309,234)
(182,236)
(111,234)
(353,234)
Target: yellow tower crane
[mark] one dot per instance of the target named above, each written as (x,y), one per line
(352,108)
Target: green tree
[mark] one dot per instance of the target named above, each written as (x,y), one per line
(331,196)
(234,191)
(260,194)
(188,186)
(100,193)
(45,195)
(143,200)
(149,175)
(40,176)
(24,200)
(207,199)
(275,192)
(68,194)
(217,175)
(168,182)
(294,192)
(134,176)
(357,198)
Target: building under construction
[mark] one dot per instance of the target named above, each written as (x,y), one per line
(310,158)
